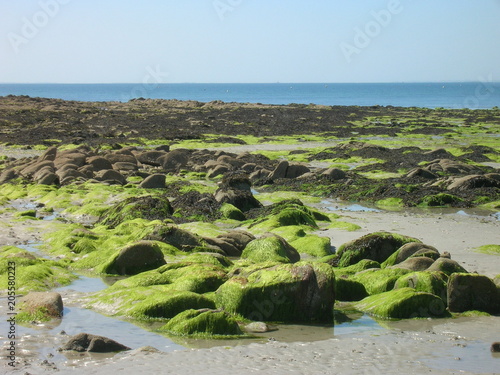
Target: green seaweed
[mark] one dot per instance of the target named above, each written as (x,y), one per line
(404,303)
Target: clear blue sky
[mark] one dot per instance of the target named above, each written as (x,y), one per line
(110,41)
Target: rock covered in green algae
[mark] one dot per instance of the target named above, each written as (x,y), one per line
(448,266)
(379,280)
(32,273)
(429,282)
(403,303)
(468,291)
(146,207)
(300,292)
(270,248)
(203,323)
(175,236)
(135,258)
(376,246)
(349,290)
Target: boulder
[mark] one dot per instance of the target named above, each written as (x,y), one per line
(125,167)
(99,163)
(155,181)
(376,246)
(415,264)
(270,248)
(228,248)
(110,175)
(150,157)
(47,179)
(235,189)
(120,158)
(349,290)
(49,154)
(204,322)
(296,170)
(49,303)
(448,266)
(429,282)
(31,169)
(473,182)
(280,170)
(174,160)
(300,292)
(239,238)
(84,342)
(420,172)
(179,238)
(468,291)
(136,258)
(7,175)
(218,170)
(404,303)
(334,174)
(146,207)
(412,248)
(70,158)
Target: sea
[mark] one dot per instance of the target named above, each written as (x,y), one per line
(472,95)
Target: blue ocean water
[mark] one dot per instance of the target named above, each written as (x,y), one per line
(474,95)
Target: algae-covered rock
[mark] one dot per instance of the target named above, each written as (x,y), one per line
(379,280)
(270,248)
(31,273)
(403,303)
(375,246)
(40,306)
(411,249)
(300,292)
(203,323)
(231,212)
(147,207)
(166,305)
(291,212)
(415,264)
(362,265)
(473,292)
(135,258)
(429,282)
(175,236)
(314,245)
(349,290)
(448,266)
(181,276)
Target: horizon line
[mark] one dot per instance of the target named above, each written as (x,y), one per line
(235,83)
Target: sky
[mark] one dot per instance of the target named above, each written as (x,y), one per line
(249,41)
